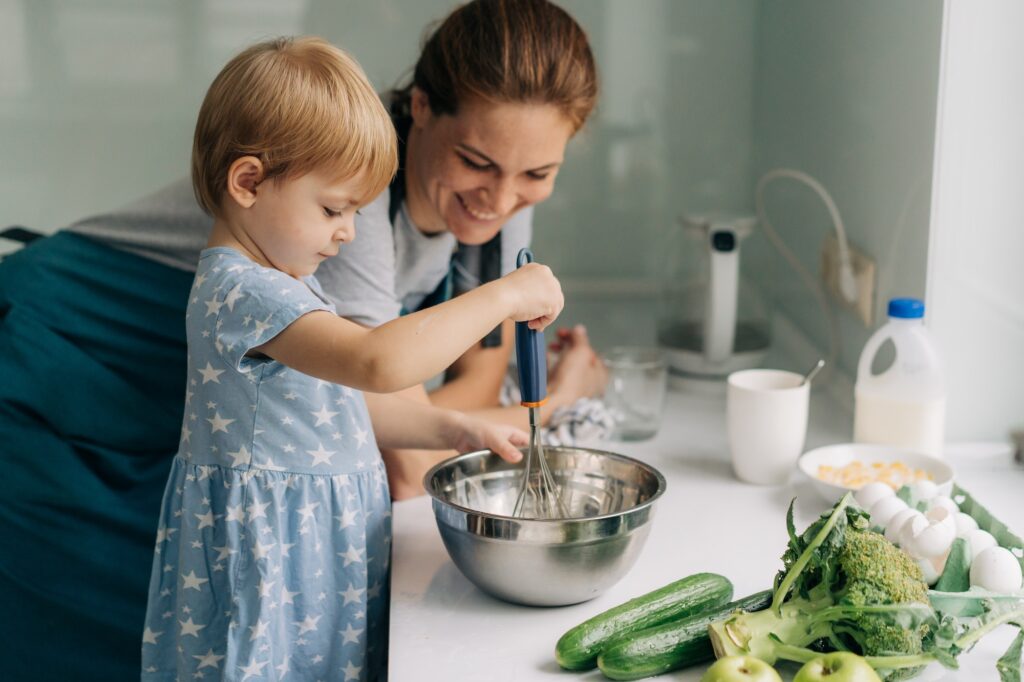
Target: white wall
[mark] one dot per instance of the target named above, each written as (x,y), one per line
(976,265)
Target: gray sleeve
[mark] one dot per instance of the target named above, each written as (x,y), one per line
(515,235)
(167,226)
(360,280)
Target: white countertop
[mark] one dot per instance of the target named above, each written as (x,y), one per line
(444,628)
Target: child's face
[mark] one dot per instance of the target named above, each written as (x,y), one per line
(487,162)
(298,223)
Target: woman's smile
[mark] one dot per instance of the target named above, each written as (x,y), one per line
(480,214)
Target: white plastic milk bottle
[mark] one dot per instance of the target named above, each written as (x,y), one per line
(905,405)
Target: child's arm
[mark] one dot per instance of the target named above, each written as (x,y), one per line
(413,348)
(402,423)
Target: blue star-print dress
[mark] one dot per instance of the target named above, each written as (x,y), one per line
(274,538)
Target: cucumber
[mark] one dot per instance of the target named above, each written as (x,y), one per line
(672,645)
(578,648)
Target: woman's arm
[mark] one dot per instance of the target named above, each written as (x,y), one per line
(411,349)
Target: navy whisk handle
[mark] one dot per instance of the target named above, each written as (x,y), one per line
(530,355)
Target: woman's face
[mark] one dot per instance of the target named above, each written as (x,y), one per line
(469,173)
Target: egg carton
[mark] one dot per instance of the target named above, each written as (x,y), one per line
(988,522)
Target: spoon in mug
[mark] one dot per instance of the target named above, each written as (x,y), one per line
(814,371)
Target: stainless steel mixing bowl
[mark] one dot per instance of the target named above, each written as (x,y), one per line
(610,500)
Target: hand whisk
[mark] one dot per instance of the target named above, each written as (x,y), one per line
(539,496)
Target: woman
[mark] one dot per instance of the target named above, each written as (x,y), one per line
(88,432)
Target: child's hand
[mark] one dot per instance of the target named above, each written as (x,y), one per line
(535,294)
(471,434)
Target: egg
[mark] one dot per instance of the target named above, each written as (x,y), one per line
(868,494)
(979,540)
(965,523)
(931,576)
(923,490)
(941,501)
(883,510)
(997,570)
(934,540)
(942,515)
(908,533)
(892,529)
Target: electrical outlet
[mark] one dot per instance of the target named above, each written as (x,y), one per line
(863,272)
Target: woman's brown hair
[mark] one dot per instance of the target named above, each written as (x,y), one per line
(525,51)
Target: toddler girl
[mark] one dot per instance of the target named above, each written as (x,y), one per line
(272,550)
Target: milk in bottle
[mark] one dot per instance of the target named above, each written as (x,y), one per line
(905,405)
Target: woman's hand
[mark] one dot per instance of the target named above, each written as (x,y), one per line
(470,433)
(578,371)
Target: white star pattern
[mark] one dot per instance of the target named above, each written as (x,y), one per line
(233,297)
(205,520)
(257,510)
(352,595)
(307,625)
(194,582)
(211,374)
(235,514)
(324,416)
(360,436)
(261,326)
(208,659)
(258,630)
(307,510)
(240,457)
(352,671)
(218,423)
(351,634)
(213,306)
(260,551)
(286,596)
(351,555)
(253,669)
(347,518)
(149,637)
(190,628)
(321,456)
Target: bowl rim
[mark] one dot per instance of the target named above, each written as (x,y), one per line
(662,486)
(939,468)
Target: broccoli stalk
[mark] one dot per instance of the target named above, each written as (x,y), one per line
(843,587)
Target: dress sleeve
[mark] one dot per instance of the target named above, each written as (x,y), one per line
(360,280)
(253,306)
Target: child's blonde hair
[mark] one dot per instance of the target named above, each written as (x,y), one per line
(298,105)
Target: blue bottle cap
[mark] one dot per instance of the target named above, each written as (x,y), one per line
(906,308)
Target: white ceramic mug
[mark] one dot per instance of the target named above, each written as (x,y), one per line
(767,421)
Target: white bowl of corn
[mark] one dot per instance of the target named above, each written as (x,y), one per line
(844,467)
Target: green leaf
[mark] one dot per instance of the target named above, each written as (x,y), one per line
(956,576)
(790,527)
(904,494)
(1008,664)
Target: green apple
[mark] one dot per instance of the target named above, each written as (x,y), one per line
(838,666)
(740,669)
